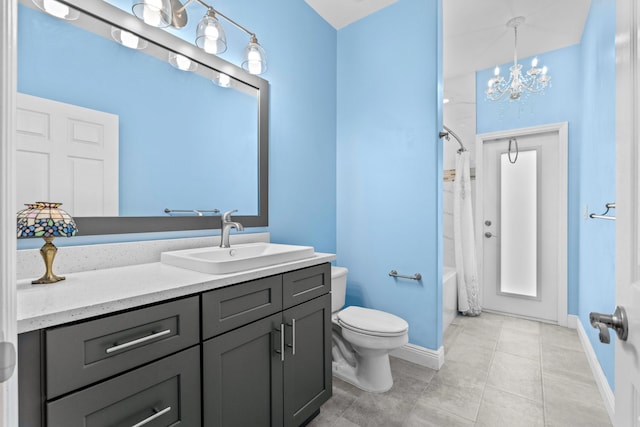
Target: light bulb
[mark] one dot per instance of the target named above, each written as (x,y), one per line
(496,71)
(211,32)
(534,62)
(544,70)
(210,46)
(56,8)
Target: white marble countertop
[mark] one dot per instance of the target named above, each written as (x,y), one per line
(92,293)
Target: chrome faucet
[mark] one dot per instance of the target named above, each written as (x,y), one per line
(226,227)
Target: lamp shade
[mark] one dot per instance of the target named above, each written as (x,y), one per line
(44,219)
(254,59)
(210,35)
(157,13)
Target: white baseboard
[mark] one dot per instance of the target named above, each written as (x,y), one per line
(572,321)
(423,356)
(603,385)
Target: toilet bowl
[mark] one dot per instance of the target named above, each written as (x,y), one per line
(363,339)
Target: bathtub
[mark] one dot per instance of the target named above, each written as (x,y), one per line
(449,296)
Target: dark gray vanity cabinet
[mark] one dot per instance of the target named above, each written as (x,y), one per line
(253,354)
(140,367)
(275,371)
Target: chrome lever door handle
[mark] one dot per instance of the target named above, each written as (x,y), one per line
(617,321)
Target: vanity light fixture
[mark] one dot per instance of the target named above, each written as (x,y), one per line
(57,9)
(130,40)
(46,220)
(534,80)
(181,62)
(210,34)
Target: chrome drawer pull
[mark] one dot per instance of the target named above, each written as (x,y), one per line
(138,341)
(152,417)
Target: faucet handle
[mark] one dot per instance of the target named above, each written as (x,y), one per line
(226,217)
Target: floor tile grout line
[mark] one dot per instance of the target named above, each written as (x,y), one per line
(486,380)
(544,398)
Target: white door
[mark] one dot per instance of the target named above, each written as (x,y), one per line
(67,154)
(520,230)
(627,367)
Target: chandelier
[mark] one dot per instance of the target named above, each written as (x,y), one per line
(534,80)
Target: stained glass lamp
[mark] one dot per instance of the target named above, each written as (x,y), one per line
(46,220)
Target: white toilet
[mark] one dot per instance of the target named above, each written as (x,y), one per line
(363,339)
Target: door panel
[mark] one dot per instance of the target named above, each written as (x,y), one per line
(520,224)
(236,359)
(627,363)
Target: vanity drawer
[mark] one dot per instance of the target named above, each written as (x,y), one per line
(306,284)
(81,354)
(234,306)
(163,393)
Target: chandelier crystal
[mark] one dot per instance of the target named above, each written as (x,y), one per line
(534,80)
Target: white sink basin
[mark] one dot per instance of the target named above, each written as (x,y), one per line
(248,256)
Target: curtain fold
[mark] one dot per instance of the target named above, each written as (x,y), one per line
(464,240)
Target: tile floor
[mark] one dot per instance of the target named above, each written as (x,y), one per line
(499,372)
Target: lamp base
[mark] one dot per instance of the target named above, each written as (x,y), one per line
(48,252)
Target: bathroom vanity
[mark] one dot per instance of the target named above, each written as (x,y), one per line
(245,349)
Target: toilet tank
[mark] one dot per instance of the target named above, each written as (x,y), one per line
(338,287)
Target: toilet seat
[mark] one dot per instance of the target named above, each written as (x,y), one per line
(372,322)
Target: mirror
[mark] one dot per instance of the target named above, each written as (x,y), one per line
(182,141)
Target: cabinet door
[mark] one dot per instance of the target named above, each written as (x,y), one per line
(307,365)
(242,376)
(163,393)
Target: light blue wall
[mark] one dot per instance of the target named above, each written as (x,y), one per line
(301,49)
(389,165)
(583,93)
(559,103)
(597,175)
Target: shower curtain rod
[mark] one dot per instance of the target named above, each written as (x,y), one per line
(452,133)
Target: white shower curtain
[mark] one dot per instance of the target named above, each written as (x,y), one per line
(464,240)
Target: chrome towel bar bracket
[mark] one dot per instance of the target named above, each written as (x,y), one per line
(394,273)
(604,215)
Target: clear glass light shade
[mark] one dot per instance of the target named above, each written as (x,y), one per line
(254,59)
(57,9)
(181,62)
(130,40)
(156,13)
(210,35)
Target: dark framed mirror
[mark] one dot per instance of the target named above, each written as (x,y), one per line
(186,141)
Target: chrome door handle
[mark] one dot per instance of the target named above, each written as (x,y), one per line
(293,336)
(281,351)
(616,321)
(489,235)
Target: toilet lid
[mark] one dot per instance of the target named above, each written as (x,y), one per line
(372,322)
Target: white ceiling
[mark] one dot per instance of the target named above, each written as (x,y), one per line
(475,35)
(341,13)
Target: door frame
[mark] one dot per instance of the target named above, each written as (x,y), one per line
(8,290)
(562,129)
